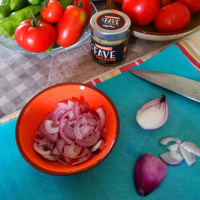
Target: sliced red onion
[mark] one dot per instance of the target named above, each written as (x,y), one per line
(49,128)
(166,140)
(173,147)
(64,105)
(191,148)
(68,130)
(46,154)
(57,113)
(102,117)
(90,140)
(153,114)
(83,107)
(70,103)
(190,158)
(62,133)
(98,146)
(81,128)
(42,132)
(82,159)
(60,145)
(56,152)
(86,154)
(149,173)
(72,150)
(43,141)
(172,158)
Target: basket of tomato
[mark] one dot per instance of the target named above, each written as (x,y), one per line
(160,20)
(43,26)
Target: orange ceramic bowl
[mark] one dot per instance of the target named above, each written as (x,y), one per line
(43,103)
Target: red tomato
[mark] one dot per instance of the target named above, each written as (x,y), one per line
(172,17)
(141,12)
(118,1)
(87,6)
(193,5)
(70,26)
(52,12)
(35,38)
(165,2)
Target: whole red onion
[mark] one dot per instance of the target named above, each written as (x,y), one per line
(149,172)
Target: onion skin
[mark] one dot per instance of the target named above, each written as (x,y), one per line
(149,173)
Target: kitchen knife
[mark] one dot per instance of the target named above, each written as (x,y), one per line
(178,84)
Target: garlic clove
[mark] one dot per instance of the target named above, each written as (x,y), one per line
(166,140)
(153,114)
(190,158)
(149,173)
(172,158)
(191,147)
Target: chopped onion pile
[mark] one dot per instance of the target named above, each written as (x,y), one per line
(71,133)
(179,151)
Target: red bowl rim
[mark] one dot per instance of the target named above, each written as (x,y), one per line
(34,165)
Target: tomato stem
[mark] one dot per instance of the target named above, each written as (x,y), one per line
(162,3)
(44,3)
(79,4)
(34,21)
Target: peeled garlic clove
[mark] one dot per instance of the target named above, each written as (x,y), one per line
(191,147)
(153,114)
(189,157)
(149,173)
(172,158)
(166,140)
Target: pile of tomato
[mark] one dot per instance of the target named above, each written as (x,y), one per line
(57,25)
(166,15)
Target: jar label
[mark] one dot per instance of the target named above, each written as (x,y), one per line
(110,21)
(108,54)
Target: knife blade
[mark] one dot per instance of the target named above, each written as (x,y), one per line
(178,84)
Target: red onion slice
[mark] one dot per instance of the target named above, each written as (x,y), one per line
(42,132)
(72,151)
(172,158)
(98,146)
(191,148)
(153,115)
(60,145)
(190,158)
(46,154)
(173,147)
(63,134)
(82,159)
(48,125)
(86,154)
(90,140)
(166,140)
(102,117)
(68,131)
(56,152)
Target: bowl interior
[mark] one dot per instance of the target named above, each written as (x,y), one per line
(42,104)
(149,29)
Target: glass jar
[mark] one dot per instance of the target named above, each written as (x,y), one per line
(110,34)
